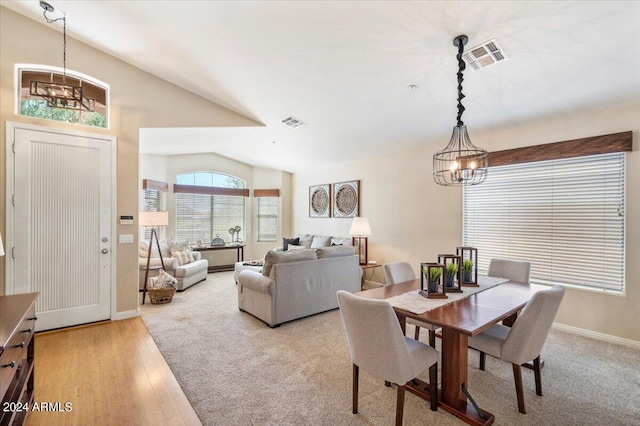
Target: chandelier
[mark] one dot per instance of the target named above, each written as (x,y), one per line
(60,94)
(460,163)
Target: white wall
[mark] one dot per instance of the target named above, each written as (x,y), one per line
(413,219)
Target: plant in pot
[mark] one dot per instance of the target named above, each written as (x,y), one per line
(451,271)
(467,268)
(433,277)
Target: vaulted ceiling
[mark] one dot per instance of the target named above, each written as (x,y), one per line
(345,67)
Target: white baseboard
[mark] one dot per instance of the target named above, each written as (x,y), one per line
(127,314)
(598,336)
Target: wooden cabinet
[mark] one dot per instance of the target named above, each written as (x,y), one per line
(17,356)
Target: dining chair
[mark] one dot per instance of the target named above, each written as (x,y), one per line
(523,341)
(516,270)
(378,346)
(399,272)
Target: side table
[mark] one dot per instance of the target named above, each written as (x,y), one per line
(364,273)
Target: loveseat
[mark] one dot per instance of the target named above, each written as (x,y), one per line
(187,274)
(298,283)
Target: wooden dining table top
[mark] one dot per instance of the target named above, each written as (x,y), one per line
(471,315)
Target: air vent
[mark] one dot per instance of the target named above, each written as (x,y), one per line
(484,55)
(292,122)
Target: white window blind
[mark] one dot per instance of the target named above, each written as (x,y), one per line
(267,218)
(204,216)
(564,216)
(152,203)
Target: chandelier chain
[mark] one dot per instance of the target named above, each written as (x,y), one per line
(64,41)
(461,67)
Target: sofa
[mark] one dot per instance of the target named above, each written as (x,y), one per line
(298,283)
(186,275)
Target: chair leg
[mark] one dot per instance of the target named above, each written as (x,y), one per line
(483,358)
(517,375)
(433,386)
(356,374)
(432,338)
(538,375)
(417,333)
(400,405)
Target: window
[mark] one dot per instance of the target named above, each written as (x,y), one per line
(565,216)
(267,219)
(34,106)
(207,205)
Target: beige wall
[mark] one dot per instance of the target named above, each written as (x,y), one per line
(255,177)
(413,219)
(138,100)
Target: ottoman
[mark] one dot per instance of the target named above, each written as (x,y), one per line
(241,266)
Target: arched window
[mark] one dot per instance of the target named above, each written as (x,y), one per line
(209,204)
(87,104)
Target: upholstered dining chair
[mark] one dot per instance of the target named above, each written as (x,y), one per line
(523,341)
(516,270)
(399,272)
(378,346)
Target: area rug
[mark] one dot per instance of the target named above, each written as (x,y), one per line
(236,370)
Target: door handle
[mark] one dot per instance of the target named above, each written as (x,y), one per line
(105,251)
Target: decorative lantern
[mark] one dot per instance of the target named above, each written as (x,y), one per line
(434,274)
(469,266)
(452,271)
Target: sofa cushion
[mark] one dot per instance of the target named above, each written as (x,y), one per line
(321,241)
(335,251)
(287,241)
(191,268)
(274,257)
(295,247)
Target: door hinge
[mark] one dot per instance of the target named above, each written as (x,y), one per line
(13,199)
(13,252)
(13,147)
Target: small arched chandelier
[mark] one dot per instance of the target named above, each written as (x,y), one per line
(460,163)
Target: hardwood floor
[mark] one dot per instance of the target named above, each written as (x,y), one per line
(112,373)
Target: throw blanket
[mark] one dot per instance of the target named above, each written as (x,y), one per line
(413,302)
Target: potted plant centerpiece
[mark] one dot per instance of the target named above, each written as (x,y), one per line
(433,278)
(467,268)
(451,271)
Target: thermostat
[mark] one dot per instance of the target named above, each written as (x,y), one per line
(126,220)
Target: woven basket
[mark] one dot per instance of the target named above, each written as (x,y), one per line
(158,296)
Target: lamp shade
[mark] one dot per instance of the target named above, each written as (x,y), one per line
(1,246)
(154,218)
(360,226)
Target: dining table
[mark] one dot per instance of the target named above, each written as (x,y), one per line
(467,315)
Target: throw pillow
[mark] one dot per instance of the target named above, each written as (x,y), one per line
(320,241)
(163,280)
(183,257)
(305,240)
(287,241)
(296,247)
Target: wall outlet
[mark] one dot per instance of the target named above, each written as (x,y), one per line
(126,239)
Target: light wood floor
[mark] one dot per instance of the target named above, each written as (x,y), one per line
(112,373)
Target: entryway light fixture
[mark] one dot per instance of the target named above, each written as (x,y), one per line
(460,163)
(60,94)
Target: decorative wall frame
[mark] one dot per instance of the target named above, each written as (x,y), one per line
(320,201)
(346,199)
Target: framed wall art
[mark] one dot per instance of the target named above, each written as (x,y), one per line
(346,199)
(320,201)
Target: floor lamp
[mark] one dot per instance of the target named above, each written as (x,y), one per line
(360,230)
(152,219)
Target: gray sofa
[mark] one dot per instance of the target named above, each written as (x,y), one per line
(298,283)
(187,275)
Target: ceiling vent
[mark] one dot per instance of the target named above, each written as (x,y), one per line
(484,55)
(292,122)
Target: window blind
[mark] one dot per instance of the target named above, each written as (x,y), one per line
(204,216)
(564,216)
(152,203)
(267,219)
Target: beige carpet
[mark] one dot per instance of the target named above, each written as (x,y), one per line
(235,370)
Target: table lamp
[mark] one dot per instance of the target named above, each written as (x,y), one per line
(360,230)
(152,219)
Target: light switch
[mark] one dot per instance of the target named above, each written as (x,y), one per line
(126,239)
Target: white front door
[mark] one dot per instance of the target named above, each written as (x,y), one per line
(61,223)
